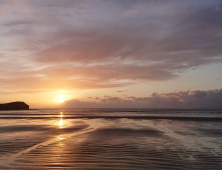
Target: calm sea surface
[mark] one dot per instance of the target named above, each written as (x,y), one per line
(111,139)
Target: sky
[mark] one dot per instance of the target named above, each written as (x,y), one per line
(111,53)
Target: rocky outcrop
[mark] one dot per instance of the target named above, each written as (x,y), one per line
(14,106)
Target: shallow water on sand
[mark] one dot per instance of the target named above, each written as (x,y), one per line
(111,139)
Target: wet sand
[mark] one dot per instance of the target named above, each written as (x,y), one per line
(66,139)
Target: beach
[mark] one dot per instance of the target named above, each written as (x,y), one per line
(110,139)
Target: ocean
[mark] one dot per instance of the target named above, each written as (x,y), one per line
(111,139)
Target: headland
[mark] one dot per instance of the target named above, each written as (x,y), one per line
(14,106)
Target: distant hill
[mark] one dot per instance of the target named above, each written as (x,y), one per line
(14,106)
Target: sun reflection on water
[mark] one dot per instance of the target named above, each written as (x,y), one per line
(60,137)
(61,121)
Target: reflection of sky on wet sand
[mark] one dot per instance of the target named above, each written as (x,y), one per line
(109,143)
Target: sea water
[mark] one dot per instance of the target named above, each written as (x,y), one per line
(111,139)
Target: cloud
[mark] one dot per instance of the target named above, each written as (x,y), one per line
(121,91)
(181,99)
(105,44)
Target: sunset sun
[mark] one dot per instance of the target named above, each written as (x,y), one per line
(61,98)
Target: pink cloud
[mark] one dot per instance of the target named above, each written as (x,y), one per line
(181,99)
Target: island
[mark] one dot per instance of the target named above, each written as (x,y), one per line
(14,106)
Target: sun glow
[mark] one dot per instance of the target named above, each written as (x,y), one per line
(62,98)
